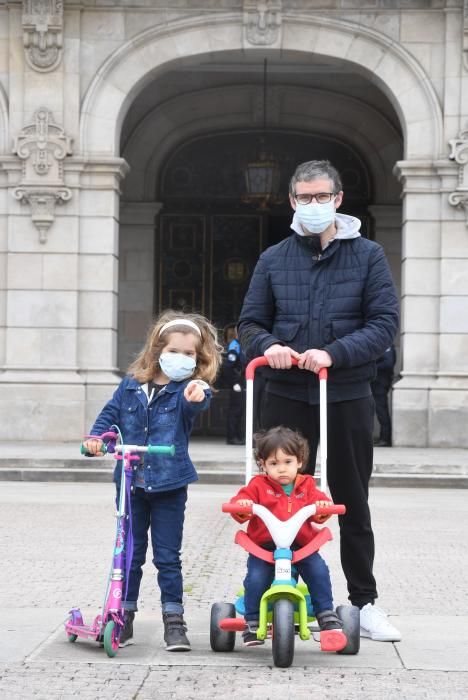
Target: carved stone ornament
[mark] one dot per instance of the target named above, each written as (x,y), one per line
(42,33)
(42,146)
(262,22)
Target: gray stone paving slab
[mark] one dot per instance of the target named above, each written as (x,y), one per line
(56,554)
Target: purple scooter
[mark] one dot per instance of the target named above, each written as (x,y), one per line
(108,625)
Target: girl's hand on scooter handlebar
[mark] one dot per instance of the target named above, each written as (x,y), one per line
(244,502)
(93,447)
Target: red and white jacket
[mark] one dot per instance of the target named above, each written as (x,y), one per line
(266,492)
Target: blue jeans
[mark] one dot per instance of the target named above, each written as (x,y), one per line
(260,575)
(164,513)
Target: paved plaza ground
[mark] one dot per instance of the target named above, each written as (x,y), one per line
(56,548)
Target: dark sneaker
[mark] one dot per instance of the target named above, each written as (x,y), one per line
(329,620)
(174,632)
(332,637)
(249,636)
(126,635)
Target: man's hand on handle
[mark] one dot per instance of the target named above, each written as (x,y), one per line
(314,360)
(279,356)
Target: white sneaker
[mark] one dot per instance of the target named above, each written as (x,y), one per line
(375,624)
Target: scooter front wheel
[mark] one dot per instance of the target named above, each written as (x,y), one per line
(283,633)
(111,638)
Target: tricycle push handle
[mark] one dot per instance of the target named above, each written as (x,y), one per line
(263,362)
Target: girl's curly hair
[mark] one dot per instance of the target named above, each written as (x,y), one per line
(146,364)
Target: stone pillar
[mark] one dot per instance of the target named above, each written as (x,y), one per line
(430,401)
(137,276)
(60,305)
(41,392)
(98,209)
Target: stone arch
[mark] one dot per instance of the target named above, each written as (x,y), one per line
(332,114)
(373,54)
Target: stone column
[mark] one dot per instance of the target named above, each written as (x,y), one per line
(98,209)
(137,276)
(41,392)
(430,401)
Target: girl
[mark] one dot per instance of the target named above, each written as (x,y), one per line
(282,454)
(167,386)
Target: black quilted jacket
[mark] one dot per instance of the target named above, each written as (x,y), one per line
(342,300)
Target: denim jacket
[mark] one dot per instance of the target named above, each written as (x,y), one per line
(167,419)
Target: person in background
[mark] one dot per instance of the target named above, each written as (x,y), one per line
(232,377)
(380,388)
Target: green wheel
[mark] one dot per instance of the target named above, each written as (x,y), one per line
(72,637)
(111,638)
(283,633)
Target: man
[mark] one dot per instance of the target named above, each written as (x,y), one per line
(325,296)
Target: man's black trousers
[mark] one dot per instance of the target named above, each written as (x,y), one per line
(350,460)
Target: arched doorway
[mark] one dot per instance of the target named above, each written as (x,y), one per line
(209,237)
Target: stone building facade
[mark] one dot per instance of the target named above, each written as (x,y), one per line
(125,126)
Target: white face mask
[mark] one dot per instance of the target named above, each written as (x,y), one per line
(316,218)
(177,366)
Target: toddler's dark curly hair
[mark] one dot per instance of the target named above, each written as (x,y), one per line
(268,442)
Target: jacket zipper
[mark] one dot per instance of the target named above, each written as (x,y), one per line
(289,504)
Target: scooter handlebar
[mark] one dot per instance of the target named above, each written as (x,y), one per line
(263,362)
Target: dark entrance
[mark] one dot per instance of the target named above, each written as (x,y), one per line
(209,238)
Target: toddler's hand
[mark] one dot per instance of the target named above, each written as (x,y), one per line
(93,446)
(245,502)
(194,392)
(322,518)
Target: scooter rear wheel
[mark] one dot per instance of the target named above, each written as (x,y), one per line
(72,637)
(111,638)
(283,633)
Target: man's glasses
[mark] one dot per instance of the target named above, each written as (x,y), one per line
(320,197)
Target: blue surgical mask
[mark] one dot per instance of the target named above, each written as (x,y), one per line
(316,217)
(177,366)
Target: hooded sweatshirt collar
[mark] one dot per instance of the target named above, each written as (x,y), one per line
(346,227)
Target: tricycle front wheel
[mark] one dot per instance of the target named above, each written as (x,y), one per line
(283,633)
(221,640)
